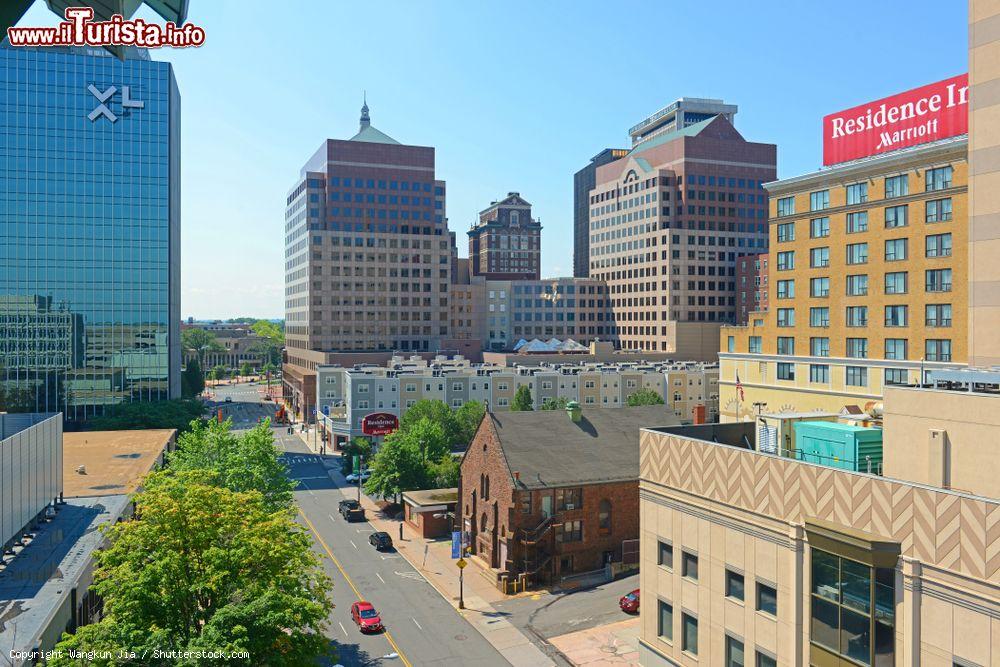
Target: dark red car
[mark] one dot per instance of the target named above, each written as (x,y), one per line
(366,617)
(630,602)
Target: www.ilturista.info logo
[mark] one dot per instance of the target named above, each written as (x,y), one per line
(80,30)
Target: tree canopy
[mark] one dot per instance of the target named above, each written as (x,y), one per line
(522,400)
(192,379)
(644,397)
(554,403)
(459,425)
(201,341)
(203,567)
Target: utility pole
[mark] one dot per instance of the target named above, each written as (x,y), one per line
(361,466)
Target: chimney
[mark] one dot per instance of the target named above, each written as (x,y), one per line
(573,408)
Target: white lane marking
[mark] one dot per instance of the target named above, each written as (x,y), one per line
(415,576)
(342,628)
(416,624)
(380,577)
(353,544)
(331,518)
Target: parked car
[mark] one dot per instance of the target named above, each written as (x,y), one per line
(630,602)
(380,540)
(364,614)
(353,477)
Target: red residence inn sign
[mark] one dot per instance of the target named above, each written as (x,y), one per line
(936,111)
(379,423)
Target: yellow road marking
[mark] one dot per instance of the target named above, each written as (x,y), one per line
(349,582)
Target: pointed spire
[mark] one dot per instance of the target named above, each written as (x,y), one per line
(365,120)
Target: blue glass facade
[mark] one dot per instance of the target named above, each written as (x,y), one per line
(89,230)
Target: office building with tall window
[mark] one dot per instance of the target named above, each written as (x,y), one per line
(368,255)
(583,182)
(506,242)
(89,230)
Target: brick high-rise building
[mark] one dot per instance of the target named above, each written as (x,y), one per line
(751,285)
(367,255)
(667,224)
(505,244)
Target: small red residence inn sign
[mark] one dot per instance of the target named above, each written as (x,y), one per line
(379,423)
(936,111)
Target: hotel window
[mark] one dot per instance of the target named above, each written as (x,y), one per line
(665,621)
(734,652)
(856,376)
(786,232)
(857,316)
(689,636)
(938,179)
(786,289)
(938,210)
(786,206)
(819,228)
(362,388)
(767,599)
(895,349)
(895,250)
(857,348)
(937,349)
(785,371)
(938,245)
(665,555)
(852,609)
(754,344)
(819,200)
(857,285)
(819,346)
(896,316)
(786,260)
(857,193)
(819,257)
(896,376)
(896,186)
(819,317)
(819,287)
(503,402)
(857,222)
(819,373)
(896,216)
(689,566)
(786,317)
(895,283)
(734,585)
(786,345)
(937,315)
(857,253)
(937,280)
(731,344)
(362,405)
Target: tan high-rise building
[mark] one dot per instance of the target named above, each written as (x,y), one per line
(667,224)
(367,255)
(984,183)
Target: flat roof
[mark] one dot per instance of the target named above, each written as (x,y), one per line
(431,497)
(116,461)
(35,584)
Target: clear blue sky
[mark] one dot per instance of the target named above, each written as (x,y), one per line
(513,95)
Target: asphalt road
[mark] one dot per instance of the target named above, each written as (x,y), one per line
(422,628)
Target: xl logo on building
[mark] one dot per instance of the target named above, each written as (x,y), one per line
(102,109)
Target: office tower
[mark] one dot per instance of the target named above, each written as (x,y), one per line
(367,254)
(685,112)
(667,224)
(506,243)
(583,183)
(89,230)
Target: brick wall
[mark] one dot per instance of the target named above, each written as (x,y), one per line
(484,460)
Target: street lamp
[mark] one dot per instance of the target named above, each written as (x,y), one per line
(461,554)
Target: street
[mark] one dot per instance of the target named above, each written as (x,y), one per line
(421,627)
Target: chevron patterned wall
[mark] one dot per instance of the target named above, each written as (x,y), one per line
(952,531)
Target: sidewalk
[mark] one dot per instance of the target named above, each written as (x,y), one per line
(433,560)
(613,645)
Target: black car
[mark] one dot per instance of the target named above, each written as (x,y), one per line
(351,510)
(380,540)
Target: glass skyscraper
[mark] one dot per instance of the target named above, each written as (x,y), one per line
(89,230)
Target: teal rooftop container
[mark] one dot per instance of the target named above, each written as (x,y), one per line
(844,446)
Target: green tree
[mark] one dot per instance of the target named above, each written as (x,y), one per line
(202,567)
(177,413)
(192,379)
(247,461)
(201,341)
(436,411)
(398,466)
(444,473)
(554,403)
(356,447)
(245,369)
(644,397)
(220,372)
(468,418)
(427,437)
(522,400)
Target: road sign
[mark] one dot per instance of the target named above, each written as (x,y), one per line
(456,544)
(461,563)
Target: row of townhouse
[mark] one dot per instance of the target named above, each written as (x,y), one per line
(346,395)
